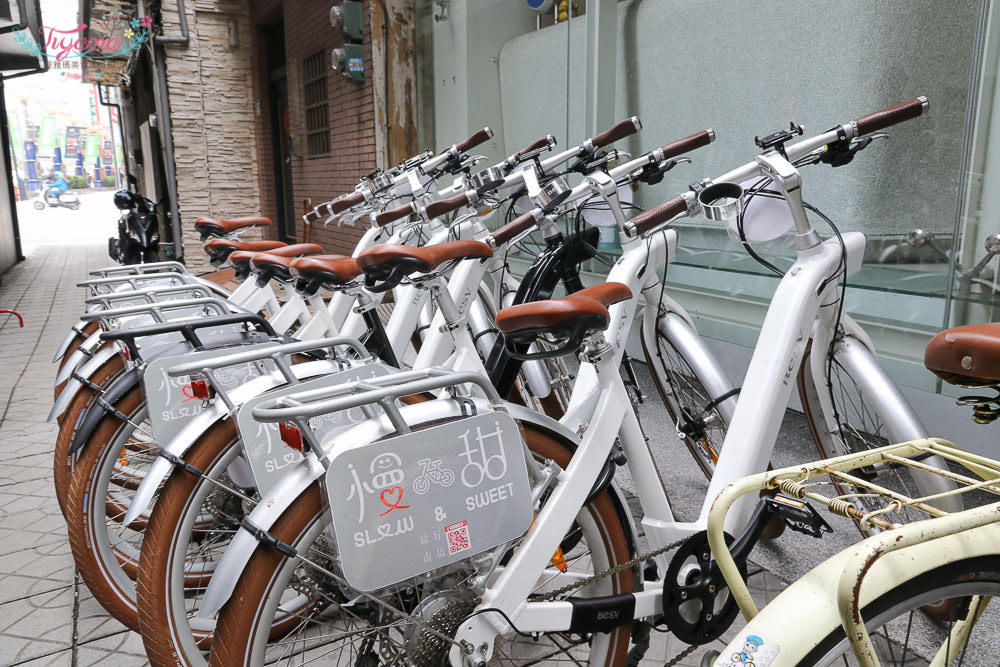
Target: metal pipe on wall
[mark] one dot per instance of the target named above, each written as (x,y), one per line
(163,107)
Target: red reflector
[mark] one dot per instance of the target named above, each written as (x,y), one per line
(201,389)
(290,435)
(128,354)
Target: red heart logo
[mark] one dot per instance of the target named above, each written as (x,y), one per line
(391,503)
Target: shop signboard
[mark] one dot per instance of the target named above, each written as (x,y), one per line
(47,135)
(90,149)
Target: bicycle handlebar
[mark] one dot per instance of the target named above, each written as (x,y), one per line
(689,143)
(392,215)
(865,125)
(548,141)
(341,204)
(657,215)
(891,115)
(480,137)
(516,226)
(440,207)
(617,131)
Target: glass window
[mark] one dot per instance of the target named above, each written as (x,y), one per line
(921,195)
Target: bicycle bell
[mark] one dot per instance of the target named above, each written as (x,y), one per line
(721,201)
(553,193)
(487,180)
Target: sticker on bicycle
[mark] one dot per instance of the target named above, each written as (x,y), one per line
(171,400)
(269,456)
(438,495)
(458,537)
(754,651)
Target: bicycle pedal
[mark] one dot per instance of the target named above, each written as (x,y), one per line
(799,516)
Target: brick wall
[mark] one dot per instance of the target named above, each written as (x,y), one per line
(352,119)
(212,116)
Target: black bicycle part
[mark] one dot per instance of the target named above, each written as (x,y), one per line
(652,174)
(697,605)
(778,139)
(558,262)
(843,151)
(375,339)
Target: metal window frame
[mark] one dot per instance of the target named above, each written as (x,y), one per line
(318,110)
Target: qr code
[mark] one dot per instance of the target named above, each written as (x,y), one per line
(458,537)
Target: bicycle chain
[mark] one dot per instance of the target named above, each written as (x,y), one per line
(641,558)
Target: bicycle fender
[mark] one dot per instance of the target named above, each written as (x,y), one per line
(75,383)
(92,417)
(85,351)
(179,445)
(70,337)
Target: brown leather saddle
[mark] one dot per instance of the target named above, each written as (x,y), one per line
(569,320)
(211,227)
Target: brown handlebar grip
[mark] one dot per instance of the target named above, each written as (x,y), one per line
(312,216)
(392,215)
(343,203)
(687,144)
(440,207)
(514,227)
(480,137)
(618,131)
(890,116)
(659,214)
(541,143)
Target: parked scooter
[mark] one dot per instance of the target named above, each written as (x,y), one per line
(138,238)
(54,198)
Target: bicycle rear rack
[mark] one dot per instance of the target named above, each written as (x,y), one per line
(805,482)
(299,408)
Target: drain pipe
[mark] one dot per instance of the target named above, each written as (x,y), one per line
(184,39)
(160,65)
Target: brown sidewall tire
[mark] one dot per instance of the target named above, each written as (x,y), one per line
(117,602)
(238,619)
(156,622)
(62,466)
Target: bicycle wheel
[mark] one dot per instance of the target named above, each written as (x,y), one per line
(360,631)
(105,551)
(859,427)
(188,531)
(903,635)
(62,465)
(690,404)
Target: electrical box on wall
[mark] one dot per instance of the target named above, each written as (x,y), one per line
(350,62)
(349,18)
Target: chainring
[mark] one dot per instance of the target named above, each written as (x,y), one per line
(697,604)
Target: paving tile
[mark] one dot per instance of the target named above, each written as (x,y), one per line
(61,658)
(36,626)
(122,649)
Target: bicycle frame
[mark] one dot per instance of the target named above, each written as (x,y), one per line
(892,558)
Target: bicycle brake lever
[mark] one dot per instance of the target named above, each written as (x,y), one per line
(652,174)
(840,153)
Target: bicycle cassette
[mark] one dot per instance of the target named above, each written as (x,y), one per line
(697,605)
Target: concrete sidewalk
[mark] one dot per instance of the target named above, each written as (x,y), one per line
(47,616)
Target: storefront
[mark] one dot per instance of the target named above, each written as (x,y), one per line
(747,71)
